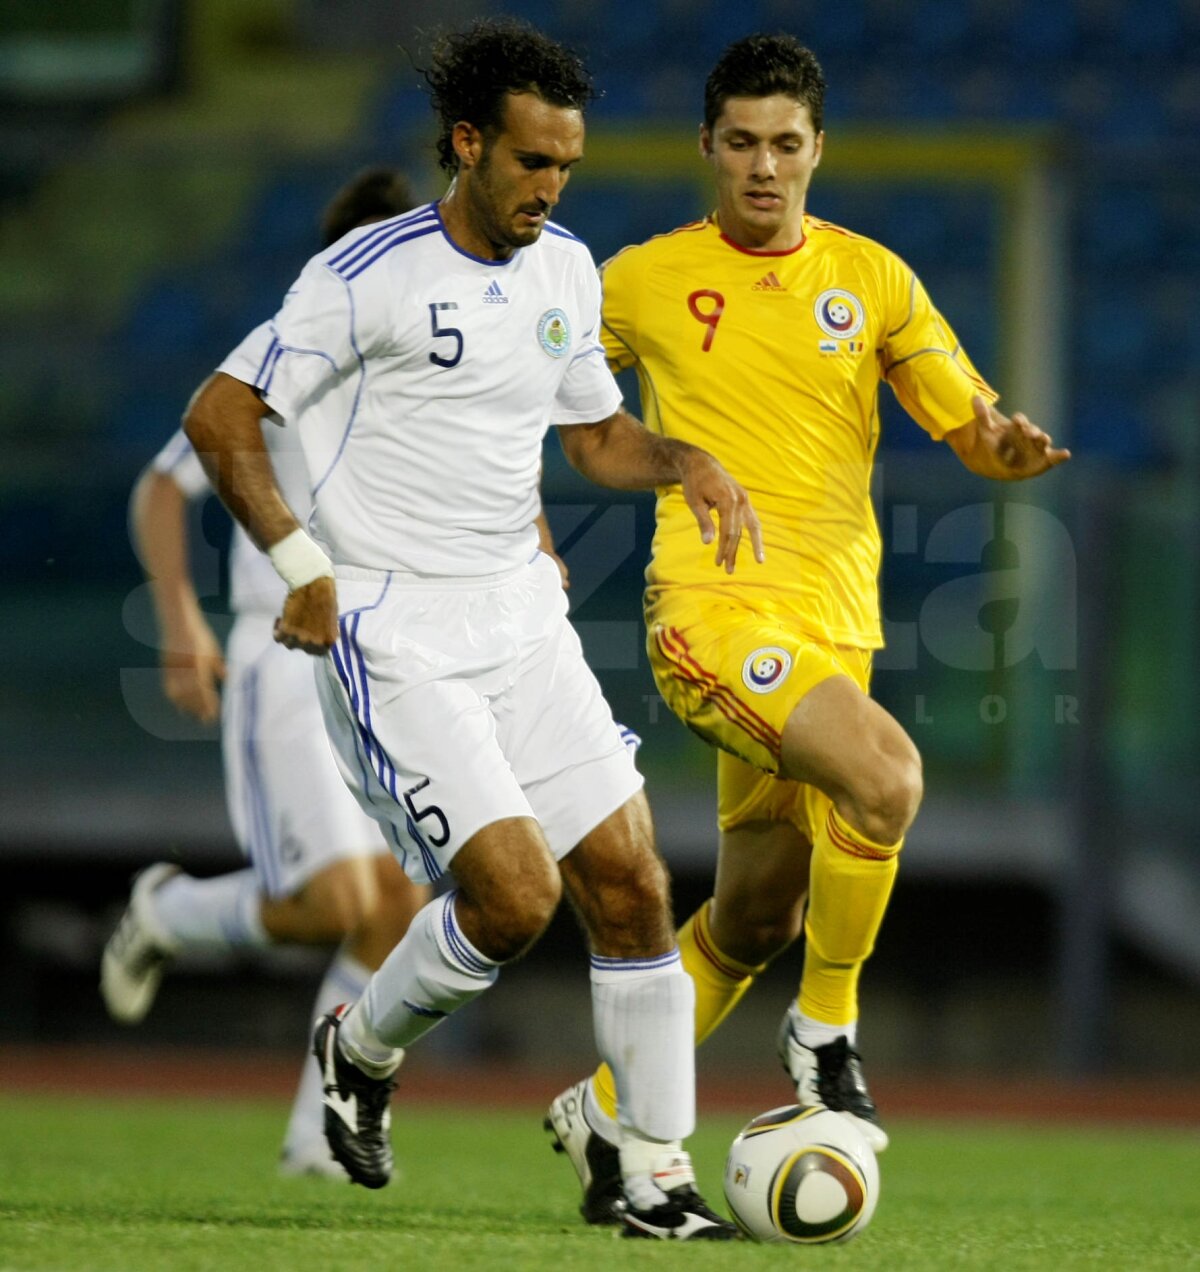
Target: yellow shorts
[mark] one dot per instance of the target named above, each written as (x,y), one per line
(733,675)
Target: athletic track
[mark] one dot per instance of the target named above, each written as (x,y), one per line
(215,1074)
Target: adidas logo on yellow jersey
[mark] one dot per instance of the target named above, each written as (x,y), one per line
(768,283)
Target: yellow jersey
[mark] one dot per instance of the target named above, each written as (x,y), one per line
(772,362)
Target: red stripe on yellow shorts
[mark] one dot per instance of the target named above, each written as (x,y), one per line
(675,647)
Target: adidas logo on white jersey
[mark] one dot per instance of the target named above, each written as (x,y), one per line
(493,295)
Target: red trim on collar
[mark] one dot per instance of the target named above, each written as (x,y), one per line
(751,251)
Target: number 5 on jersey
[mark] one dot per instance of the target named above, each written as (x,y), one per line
(444,333)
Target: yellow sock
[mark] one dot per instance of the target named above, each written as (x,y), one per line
(720,983)
(850,881)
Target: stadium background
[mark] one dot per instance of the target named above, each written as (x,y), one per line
(161,168)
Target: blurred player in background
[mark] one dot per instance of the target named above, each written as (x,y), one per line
(422,362)
(321,870)
(761,334)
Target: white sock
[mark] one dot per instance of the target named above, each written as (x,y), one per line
(816,1033)
(224,912)
(643,1010)
(431,973)
(649,1170)
(344,981)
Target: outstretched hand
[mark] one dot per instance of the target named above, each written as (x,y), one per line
(309,618)
(709,489)
(1008,449)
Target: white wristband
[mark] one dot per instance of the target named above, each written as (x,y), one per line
(298,560)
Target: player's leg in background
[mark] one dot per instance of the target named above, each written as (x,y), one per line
(321,872)
(643,1005)
(362,904)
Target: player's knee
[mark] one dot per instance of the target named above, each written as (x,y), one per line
(888,798)
(756,939)
(513,915)
(634,914)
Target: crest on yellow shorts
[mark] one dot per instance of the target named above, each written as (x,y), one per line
(766,668)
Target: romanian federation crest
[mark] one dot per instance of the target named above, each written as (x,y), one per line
(554,332)
(839,314)
(765,669)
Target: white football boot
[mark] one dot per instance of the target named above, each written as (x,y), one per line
(138,951)
(597,1162)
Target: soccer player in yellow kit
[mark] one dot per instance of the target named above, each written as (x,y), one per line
(761,334)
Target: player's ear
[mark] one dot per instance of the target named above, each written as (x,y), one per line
(818,147)
(706,148)
(467,141)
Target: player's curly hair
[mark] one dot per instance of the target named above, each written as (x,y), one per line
(761,66)
(472,70)
(371,195)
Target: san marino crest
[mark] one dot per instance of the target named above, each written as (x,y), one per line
(765,669)
(841,316)
(554,332)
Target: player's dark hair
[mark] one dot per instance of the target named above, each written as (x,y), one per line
(472,71)
(761,66)
(373,195)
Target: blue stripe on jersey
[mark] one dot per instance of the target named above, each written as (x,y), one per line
(462,251)
(653,963)
(270,353)
(265,382)
(457,942)
(557,229)
(348,255)
(362,376)
(384,247)
(586,353)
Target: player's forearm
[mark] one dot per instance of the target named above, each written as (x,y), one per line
(158,524)
(624,455)
(224,424)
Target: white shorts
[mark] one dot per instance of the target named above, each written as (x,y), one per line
(456,703)
(290,809)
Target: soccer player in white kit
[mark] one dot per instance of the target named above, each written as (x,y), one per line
(321,872)
(422,361)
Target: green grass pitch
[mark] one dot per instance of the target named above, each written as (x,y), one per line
(172,1185)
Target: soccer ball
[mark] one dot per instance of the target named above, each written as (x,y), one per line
(805,1176)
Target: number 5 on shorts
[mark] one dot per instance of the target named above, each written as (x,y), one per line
(419,814)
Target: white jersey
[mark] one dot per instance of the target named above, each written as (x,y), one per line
(423,380)
(254,587)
